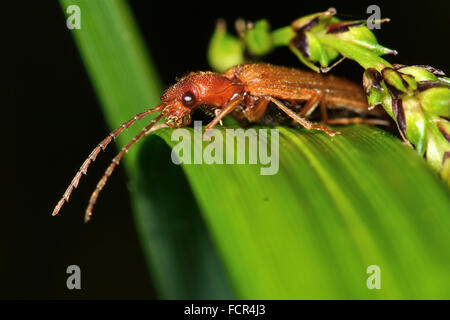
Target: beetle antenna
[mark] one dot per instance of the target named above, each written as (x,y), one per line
(113,164)
(93,155)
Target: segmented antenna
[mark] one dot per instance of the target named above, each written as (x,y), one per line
(93,155)
(113,164)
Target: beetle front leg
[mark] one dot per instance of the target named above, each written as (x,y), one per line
(226,110)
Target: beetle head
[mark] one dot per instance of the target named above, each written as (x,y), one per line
(196,89)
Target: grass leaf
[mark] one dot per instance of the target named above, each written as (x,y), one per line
(337,206)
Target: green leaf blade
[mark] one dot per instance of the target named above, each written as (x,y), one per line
(337,206)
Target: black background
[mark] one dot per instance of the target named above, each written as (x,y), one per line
(53,120)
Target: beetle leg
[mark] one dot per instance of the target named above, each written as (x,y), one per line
(311,105)
(302,121)
(223,112)
(344,121)
(240,118)
(255,107)
(216,113)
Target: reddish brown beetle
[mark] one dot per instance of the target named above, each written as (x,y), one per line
(244,92)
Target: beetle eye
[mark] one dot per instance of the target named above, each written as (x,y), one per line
(188,99)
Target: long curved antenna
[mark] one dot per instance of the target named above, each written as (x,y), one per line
(113,164)
(93,155)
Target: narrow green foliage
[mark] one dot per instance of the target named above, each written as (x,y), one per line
(337,206)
